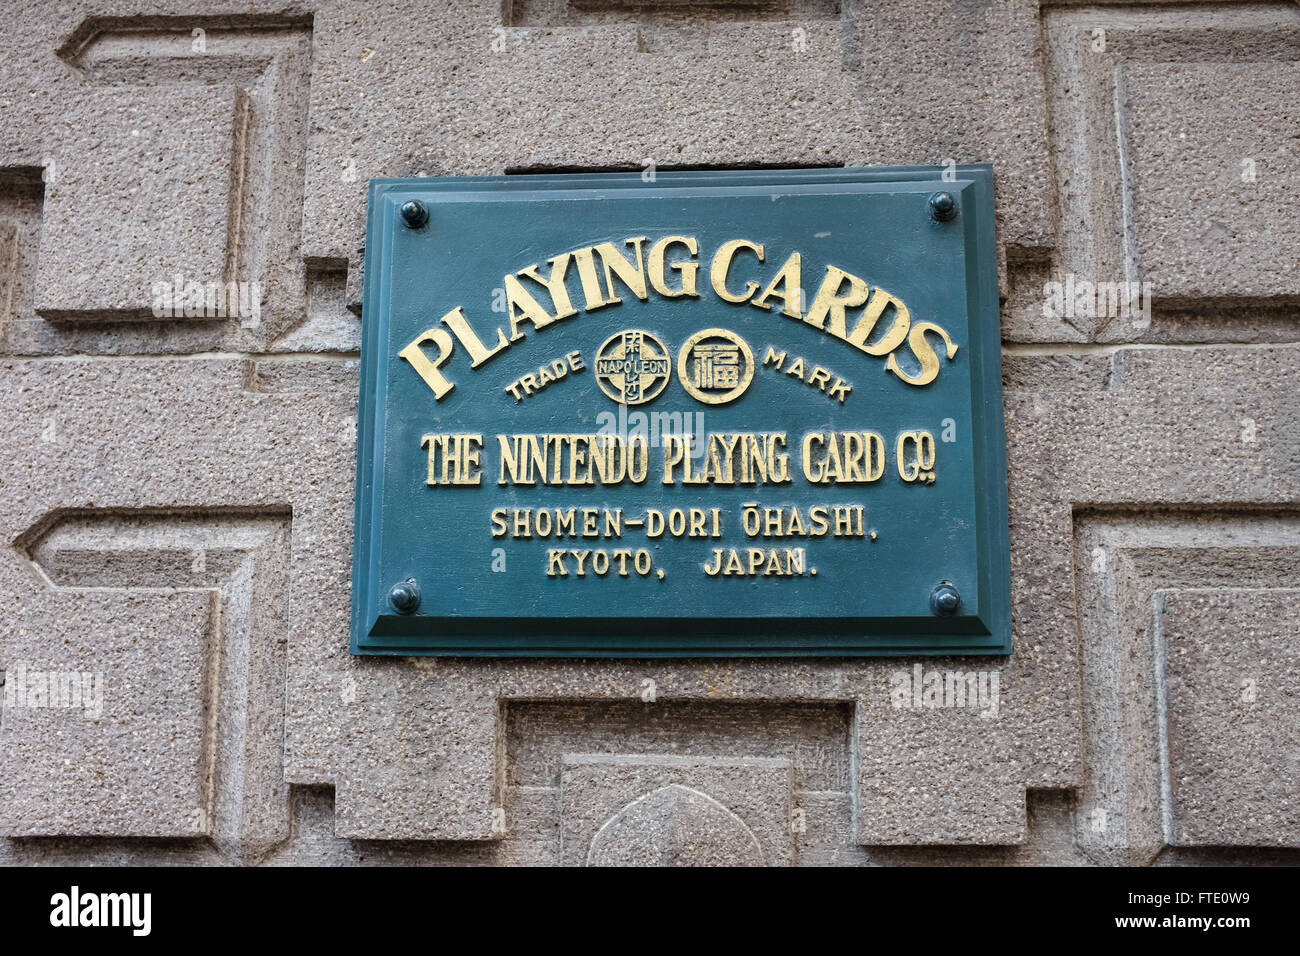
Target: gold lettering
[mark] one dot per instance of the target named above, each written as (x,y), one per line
(880,300)
(722,264)
(591,291)
(924,353)
(830,303)
(428,370)
(790,278)
(555,286)
(521,306)
(688,268)
(478,352)
(453,459)
(615,264)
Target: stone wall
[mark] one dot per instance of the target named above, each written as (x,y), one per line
(176,494)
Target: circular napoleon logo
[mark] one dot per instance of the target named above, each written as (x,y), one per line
(632,367)
(715,366)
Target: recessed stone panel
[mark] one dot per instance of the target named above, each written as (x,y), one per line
(669,810)
(105,733)
(140,191)
(1232,689)
(1213,147)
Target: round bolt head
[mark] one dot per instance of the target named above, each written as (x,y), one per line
(943,207)
(405,596)
(945,599)
(414,214)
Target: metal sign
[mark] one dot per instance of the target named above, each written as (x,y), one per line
(687,414)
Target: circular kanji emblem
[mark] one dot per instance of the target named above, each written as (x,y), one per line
(715,366)
(633,367)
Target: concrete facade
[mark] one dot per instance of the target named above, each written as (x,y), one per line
(176,494)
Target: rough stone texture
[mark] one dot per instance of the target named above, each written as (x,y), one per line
(176,499)
(169,142)
(139,767)
(635,810)
(781,84)
(1129,568)
(110,184)
(1205,192)
(1154,111)
(1232,741)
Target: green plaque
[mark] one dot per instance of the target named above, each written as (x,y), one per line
(710,414)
